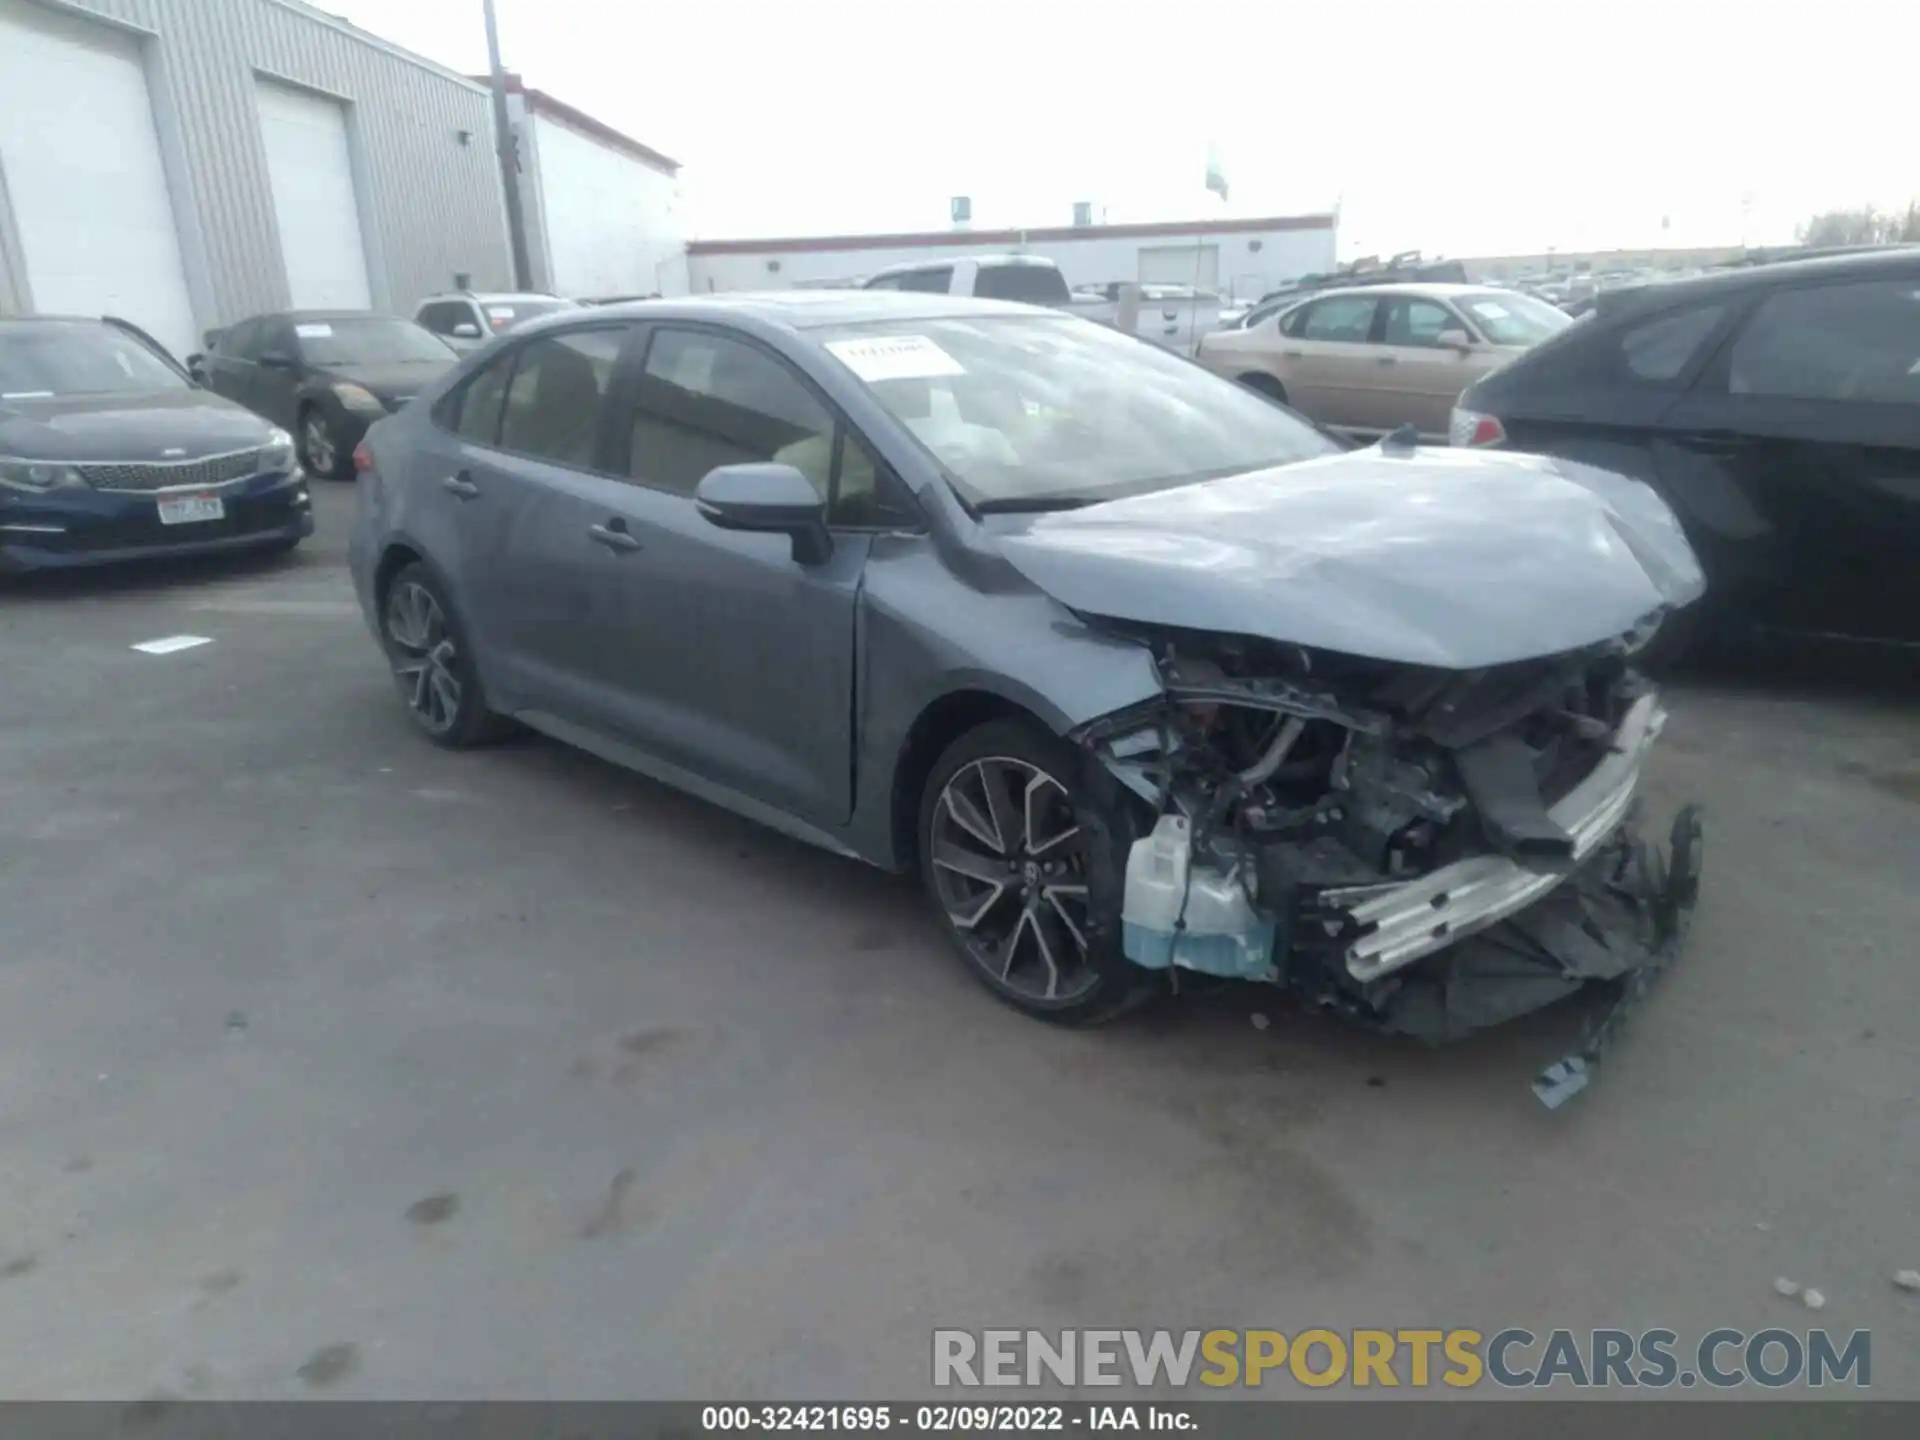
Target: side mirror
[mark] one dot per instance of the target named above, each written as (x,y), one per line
(1455,340)
(276,360)
(467,330)
(767,499)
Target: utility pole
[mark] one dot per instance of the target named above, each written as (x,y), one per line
(509,157)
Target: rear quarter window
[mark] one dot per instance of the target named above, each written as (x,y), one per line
(1030,284)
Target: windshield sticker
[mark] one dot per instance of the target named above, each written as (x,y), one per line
(895,357)
(313,332)
(499,312)
(1492,309)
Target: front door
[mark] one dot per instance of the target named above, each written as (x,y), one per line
(276,375)
(717,651)
(1809,421)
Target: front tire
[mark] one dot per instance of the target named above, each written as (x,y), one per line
(433,664)
(1023,856)
(321,452)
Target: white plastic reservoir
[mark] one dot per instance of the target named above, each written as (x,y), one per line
(1196,917)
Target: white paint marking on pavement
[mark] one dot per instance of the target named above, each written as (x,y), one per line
(167,644)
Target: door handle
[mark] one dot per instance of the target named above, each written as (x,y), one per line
(614,536)
(1386,359)
(1292,354)
(461,486)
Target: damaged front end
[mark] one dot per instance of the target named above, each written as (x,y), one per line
(1427,851)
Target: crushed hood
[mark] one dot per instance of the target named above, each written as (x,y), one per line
(1449,558)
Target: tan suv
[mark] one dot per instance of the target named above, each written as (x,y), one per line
(1375,358)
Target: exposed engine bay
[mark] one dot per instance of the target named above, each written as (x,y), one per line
(1427,851)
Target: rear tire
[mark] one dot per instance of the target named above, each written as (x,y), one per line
(321,453)
(433,664)
(1262,384)
(1023,853)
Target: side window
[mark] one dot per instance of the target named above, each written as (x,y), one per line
(935,281)
(276,336)
(442,315)
(1344,318)
(866,495)
(1856,343)
(705,400)
(1294,321)
(241,342)
(1417,322)
(476,413)
(558,395)
(885,282)
(1660,350)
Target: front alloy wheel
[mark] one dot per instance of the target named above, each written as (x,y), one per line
(1023,872)
(320,452)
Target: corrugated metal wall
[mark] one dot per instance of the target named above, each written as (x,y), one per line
(432,206)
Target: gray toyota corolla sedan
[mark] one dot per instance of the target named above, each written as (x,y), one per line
(1150,681)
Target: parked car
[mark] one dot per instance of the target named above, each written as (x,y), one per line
(1776,409)
(1373,359)
(1032,279)
(1138,670)
(466,320)
(326,375)
(109,451)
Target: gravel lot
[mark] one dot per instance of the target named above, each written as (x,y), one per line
(334,1064)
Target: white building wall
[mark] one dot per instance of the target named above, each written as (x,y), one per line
(1247,263)
(608,223)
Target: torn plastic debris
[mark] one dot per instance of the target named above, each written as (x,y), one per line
(1673,904)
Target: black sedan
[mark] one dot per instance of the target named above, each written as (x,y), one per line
(1776,409)
(324,375)
(108,451)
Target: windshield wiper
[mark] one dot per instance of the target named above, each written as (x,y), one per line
(1031,504)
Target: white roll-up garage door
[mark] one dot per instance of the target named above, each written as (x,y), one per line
(84,179)
(1180,265)
(311,167)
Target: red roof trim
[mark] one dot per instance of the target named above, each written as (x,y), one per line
(931,239)
(542,103)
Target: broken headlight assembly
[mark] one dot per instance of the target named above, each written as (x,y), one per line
(1430,852)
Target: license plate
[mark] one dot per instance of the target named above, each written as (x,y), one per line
(188,509)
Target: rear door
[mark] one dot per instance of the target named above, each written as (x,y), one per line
(1328,362)
(1417,377)
(1809,419)
(718,652)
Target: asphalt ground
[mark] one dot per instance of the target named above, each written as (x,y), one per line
(335,1064)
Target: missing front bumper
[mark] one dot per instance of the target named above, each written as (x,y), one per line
(1395,925)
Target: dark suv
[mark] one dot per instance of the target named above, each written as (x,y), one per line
(1776,409)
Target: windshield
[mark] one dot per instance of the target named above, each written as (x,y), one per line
(1510,318)
(1030,284)
(374,340)
(48,361)
(1031,412)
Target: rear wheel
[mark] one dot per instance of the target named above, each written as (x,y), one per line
(432,665)
(321,452)
(1265,385)
(1026,869)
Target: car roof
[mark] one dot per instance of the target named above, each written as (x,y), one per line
(1037,261)
(53,320)
(1429,289)
(808,309)
(1661,294)
(488,296)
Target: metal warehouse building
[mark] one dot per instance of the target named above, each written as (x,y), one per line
(184,163)
(1244,258)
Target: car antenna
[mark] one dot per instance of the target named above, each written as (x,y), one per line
(1407,437)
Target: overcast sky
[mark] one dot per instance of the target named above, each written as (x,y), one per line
(1465,127)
